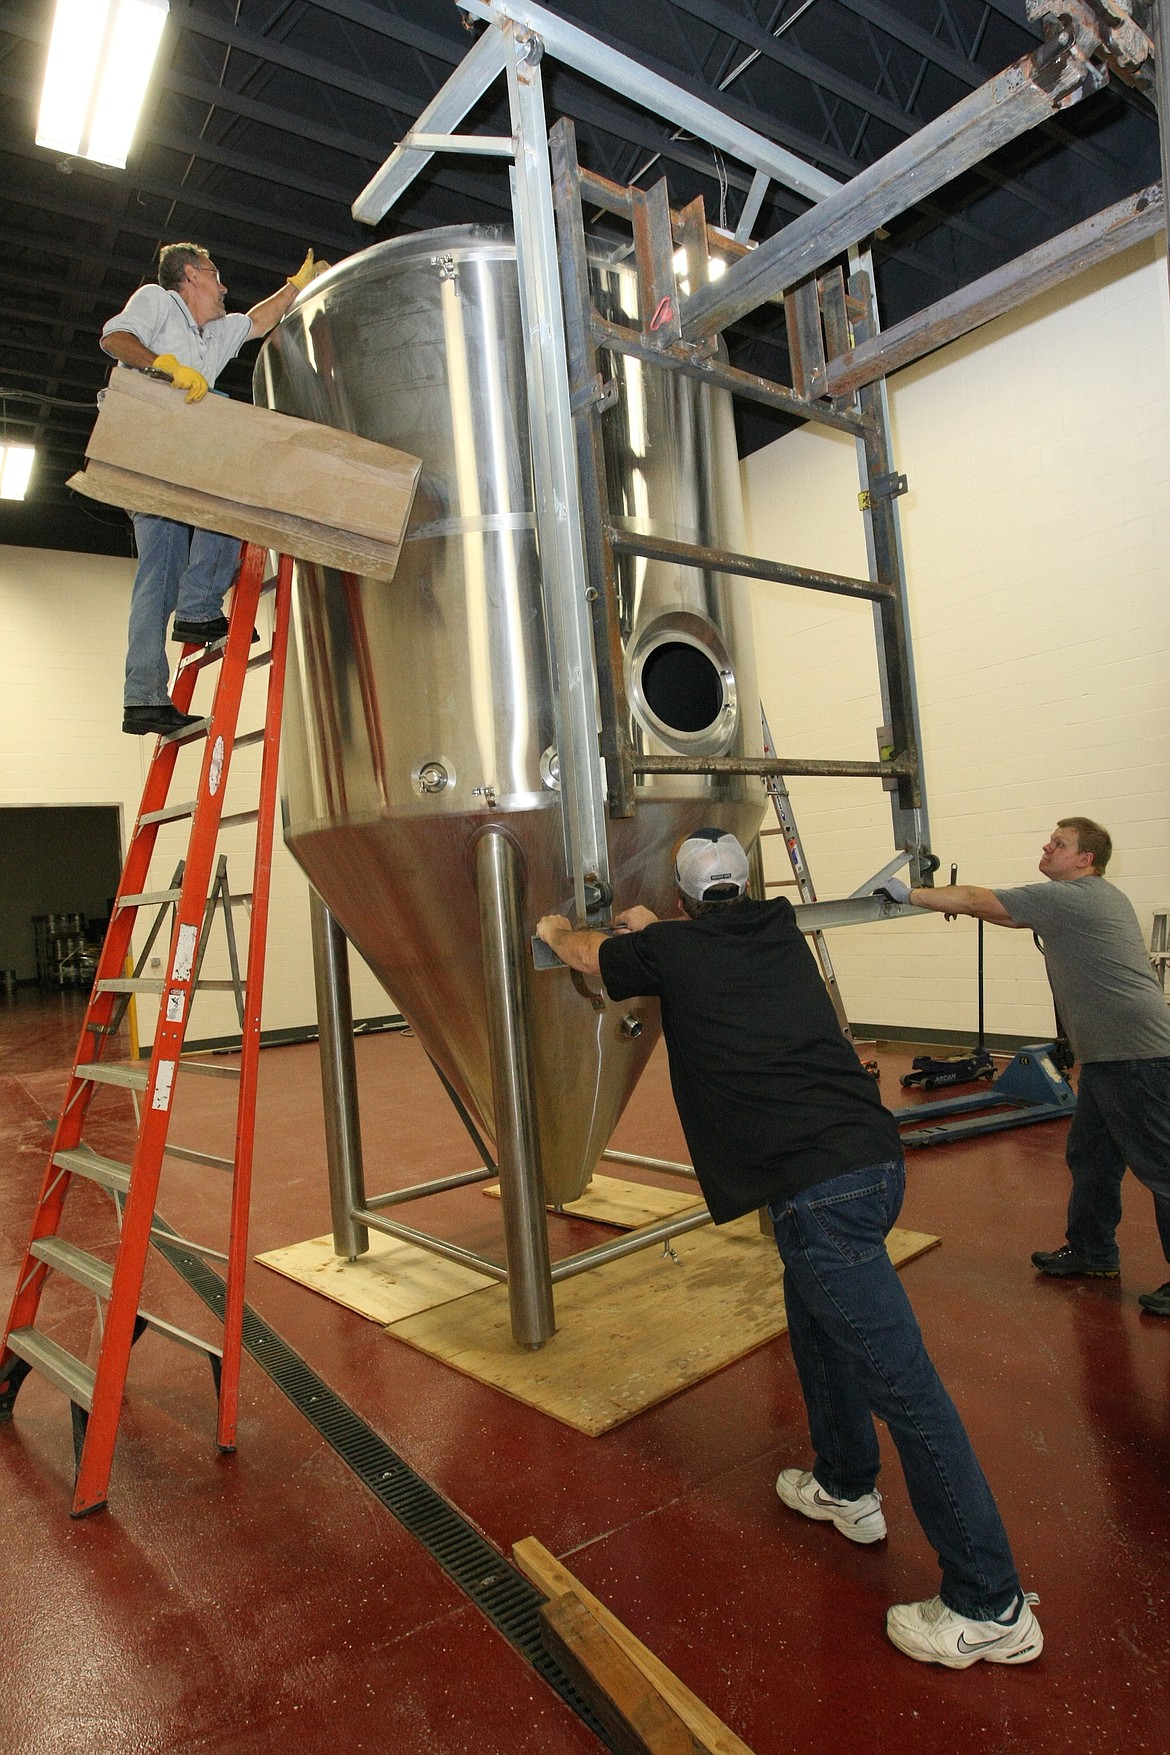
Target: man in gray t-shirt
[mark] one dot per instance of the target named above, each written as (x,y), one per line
(1118,1024)
(181,328)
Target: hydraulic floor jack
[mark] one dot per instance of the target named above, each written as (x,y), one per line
(1033,1087)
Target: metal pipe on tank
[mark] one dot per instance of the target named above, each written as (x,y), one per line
(343,1139)
(530,1302)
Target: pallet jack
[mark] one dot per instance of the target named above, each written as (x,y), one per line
(1033,1087)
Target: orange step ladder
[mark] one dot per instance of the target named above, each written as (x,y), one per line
(96,1392)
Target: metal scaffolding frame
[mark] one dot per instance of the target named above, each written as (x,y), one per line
(839,357)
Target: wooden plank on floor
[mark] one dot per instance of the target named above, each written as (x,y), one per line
(391,1281)
(629,1333)
(638,1721)
(549,1575)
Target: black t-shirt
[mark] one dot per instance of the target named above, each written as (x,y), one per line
(771,1095)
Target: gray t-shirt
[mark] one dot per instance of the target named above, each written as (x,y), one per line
(162,322)
(1106,992)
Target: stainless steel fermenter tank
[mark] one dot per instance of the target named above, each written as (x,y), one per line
(420,711)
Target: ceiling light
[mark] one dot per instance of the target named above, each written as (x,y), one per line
(716,268)
(100,58)
(16,463)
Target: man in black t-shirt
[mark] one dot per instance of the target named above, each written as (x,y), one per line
(778,1111)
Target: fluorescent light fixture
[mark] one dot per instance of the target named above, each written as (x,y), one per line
(100,58)
(16,463)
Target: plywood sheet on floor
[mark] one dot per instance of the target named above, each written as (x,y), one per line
(610,1200)
(630,1333)
(391,1281)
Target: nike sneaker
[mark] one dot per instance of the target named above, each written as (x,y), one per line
(930,1633)
(859,1520)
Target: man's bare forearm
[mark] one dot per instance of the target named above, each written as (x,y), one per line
(127,349)
(971,899)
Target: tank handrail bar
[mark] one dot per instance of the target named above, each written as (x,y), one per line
(496,145)
(418,1190)
(659,1232)
(766,765)
(666,1164)
(720,560)
(467,1258)
(680,357)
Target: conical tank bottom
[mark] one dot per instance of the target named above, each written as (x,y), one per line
(404,892)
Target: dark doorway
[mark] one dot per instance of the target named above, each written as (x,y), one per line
(59,870)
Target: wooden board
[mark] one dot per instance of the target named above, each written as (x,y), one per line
(637,1720)
(547,1573)
(610,1200)
(294,485)
(632,1332)
(391,1281)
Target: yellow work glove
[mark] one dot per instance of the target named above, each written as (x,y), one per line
(183,377)
(308,271)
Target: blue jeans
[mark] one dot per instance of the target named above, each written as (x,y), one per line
(181,572)
(1122,1120)
(859,1352)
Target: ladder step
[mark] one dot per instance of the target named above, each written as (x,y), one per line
(53,1362)
(148,899)
(98,1276)
(84,1161)
(114,1072)
(76,1264)
(189,732)
(241,817)
(209,1071)
(247,738)
(156,984)
(171,814)
(190,1156)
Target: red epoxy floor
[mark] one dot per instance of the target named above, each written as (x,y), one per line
(264,1601)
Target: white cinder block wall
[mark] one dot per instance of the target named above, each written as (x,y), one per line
(61,743)
(1037,543)
(1037,537)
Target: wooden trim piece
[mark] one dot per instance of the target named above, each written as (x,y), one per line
(548,1574)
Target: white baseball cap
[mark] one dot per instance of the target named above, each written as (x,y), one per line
(711,865)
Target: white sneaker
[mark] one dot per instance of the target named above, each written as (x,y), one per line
(931,1633)
(859,1520)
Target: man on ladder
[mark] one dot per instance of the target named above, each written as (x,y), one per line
(181,330)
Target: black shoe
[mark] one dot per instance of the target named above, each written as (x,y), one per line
(1066,1261)
(203,633)
(163,721)
(1157,1303)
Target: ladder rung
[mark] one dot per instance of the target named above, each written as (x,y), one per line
(240,817)
(114,1072)
(53,1362)
(148,899)
(77,1264)
(84,1161)
(171,814)
(250,737)
(191,1156)
(161,1327)
(211,1072)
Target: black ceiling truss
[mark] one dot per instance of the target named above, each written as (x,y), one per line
(268,116)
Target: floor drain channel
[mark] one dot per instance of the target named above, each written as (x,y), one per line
(496,1587)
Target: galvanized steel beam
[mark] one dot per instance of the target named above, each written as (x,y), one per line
(1007,106)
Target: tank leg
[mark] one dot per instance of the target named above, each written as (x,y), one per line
(343,1138)
(530,1298)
